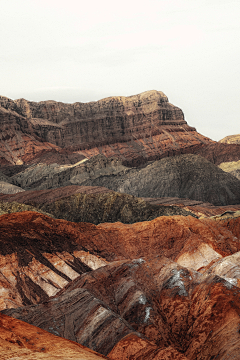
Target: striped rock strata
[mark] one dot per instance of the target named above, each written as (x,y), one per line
(172,282)
(135,128)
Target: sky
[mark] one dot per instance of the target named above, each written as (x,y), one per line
(84,51)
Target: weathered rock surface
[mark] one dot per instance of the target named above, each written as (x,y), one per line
(4,178)
(8,208)
(133,347)
(17,141)
(38,256)
(186,176)
(6,188)
(231,139)
(108,207)
(199,208)
(232,167)
(19,340)
(41,176)
(170,284)
(178,310)
(78,316)
(217,152)
(136,128)
(91,204)
(51,195)
(37,260)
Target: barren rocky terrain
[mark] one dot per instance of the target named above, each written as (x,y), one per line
(119,233)
(170,284)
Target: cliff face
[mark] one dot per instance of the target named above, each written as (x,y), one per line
(144,126)
(18,143)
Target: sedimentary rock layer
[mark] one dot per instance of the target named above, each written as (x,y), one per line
(40,255)
(185,176)
(170,285)
(217,152)
(18,143)
(19,340)
(91,204)
(136,128)
(175,308)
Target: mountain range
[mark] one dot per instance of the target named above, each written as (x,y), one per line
(119,232)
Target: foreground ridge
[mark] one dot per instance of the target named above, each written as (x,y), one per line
(151,290)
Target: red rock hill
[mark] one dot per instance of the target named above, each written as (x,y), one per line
(135,128)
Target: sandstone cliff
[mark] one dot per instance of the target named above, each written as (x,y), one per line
(136,128)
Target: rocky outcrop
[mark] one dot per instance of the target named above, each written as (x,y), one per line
(132,347)
(199,208)
(232,167)
(19,340)
(41,176)
(37,261)
(218,152)
(186,176)
(166,287)
(14,207)
(92,204)
(178,311)
(231,139)
(6,188)
(137,128)
(51,195)
(18,144)
(108,207)
(39,256)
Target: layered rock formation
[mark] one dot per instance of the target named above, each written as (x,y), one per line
(36,255)
(6,188)
(18,144)
(13,207)
(218,152)
(136,128)
(232,167)
(199,208)
(91,204)
(19,340)
(186,176)
(152,290)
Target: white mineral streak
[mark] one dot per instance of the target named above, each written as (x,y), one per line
(46,278)
(228,268)
(198,258)
(59,262)
(142,299)
(176,281)
(99,316)
(93,261)
(147,316)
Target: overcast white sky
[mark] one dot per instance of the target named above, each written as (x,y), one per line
(78,50)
